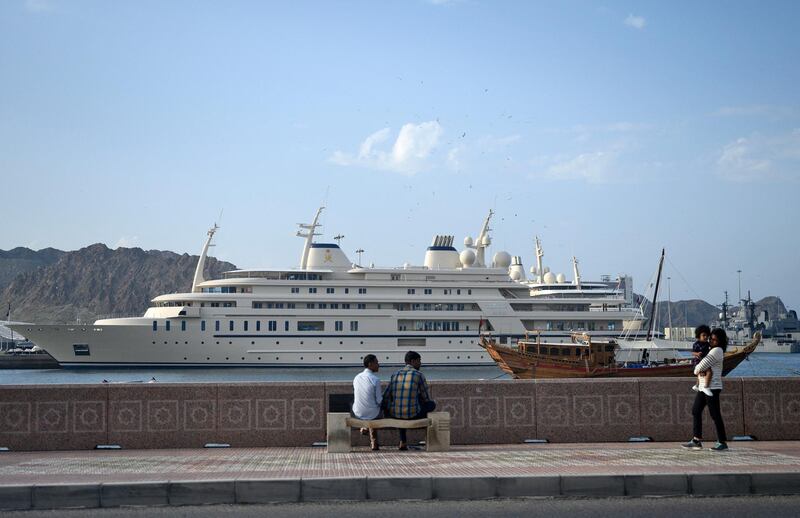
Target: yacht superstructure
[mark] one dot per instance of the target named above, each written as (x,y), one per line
(332,312)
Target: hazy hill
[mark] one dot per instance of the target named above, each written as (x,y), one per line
(22,260)
(97,281)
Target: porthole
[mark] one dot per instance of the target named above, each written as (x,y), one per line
(448,357)
(226,358)
(340,358)
(184,358)
(301,357)
(277,342)
(449,341)
(165,343)
(154,343)
(243,357)
(259,357)
(362,342)
(230,343)
(320,357)
(277,358)
(340,342)
(176,343)
(185,343)
(207,358)
(468,357)
(202,343)
(301,342)
(252,343)
(217,343)
(320,342)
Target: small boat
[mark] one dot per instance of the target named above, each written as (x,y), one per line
(585,358)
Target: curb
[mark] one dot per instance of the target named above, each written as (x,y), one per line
(260,491)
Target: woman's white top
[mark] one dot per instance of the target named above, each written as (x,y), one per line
(713,361)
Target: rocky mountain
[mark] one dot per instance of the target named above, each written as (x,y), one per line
(96,281)
(21,260)
(692,313)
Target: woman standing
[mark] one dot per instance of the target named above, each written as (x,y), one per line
(713,362)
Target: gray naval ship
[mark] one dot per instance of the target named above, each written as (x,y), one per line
(780,333)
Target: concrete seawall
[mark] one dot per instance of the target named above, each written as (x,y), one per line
(75,417)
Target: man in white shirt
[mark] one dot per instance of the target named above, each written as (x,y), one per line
(367,396)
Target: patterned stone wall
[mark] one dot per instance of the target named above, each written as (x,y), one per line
(59,417)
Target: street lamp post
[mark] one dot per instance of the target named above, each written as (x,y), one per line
(739,273)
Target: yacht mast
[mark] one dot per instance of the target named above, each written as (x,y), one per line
(309,236)
(655,298)
(483,241)
(539,263)
(201,263)
(576,272)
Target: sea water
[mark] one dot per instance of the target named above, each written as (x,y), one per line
(757,365)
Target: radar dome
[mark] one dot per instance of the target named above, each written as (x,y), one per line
(549,278)
(546,269)
(467,258)
(467,241)
(486,241)
(561,278)
(534,270)
(515,275)
(502,259)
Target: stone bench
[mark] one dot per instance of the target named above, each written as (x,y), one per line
(437,425)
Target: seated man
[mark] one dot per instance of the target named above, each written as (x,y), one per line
(407,395)
(367,396)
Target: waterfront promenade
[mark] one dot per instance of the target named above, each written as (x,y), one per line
(274,475)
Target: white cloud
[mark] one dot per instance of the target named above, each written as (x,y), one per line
(127,242)
(756,110)
(409,154)
(594,167)
(39,6)
(637,22)
(761,158)
(454,158)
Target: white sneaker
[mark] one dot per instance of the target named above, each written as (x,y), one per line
(695,388)
(707,392)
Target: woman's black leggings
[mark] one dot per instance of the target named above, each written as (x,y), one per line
(700,402)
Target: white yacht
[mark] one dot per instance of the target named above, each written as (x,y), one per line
(332,312)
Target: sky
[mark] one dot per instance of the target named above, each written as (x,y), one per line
(609,129)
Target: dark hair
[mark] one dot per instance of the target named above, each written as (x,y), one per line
(701,329)
(722,338)
(411,356)
(369,359)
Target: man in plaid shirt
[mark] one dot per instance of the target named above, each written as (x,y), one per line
(407,395)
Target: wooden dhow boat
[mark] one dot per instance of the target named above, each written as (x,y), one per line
(585,358)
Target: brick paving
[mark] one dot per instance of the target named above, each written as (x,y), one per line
(488,460)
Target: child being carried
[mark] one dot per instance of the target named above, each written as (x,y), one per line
(699,350)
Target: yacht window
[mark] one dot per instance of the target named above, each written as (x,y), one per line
(469,292)
(338,325)
(458,292)
(183,325)
(347,290)
(312,290)
(395,276)
(290,305)
(310,325)
(362,306)
(354,325)
(216,325)
(279,305)
(329,290)
(310,305)
(166,324)
(295,290)
(362,290)
(246,325)
(428,291)
(256,305)
(345,306)
(202,325)
(230,325)
(334,305)
(322,305)
(273,325)
(286,325)
(155,325)
(411,291)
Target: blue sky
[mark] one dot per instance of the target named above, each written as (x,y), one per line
(610,129)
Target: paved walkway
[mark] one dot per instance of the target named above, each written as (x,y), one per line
(462,461)
(602,469)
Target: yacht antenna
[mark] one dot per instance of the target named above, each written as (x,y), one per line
(359,252)
(655,299)
(483,240)
(311,228)
(577,273)
(338,238)
(539,256)
(201,262)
